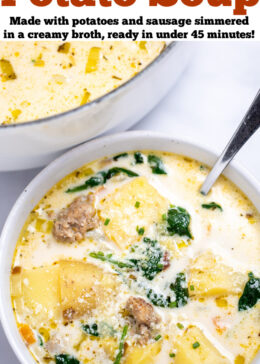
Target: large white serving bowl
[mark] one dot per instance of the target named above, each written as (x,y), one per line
(36,143)
(114,144)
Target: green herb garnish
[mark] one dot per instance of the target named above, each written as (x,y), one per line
(140,231)
(121,346)
(172,355)
(212,206)
(156,164)
(178,221)
(158,337)
(139,159)
(192,288)
(251,293)
(108,258)
(91,330)
(40,340)
(107,221)
(137,204)
(101,178)
(180,326)
(122,155)
(195,345)
(65,359)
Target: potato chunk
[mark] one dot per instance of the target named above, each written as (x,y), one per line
(71,288)
(205,353)
(40,292)
(210,277)
(83,287)
(143,355)
(7,70)
(124,217)
(247,344)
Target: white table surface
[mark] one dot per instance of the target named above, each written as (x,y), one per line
(205,106)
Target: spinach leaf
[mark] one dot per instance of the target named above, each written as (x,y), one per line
(121,346)
(251,293)
(106,330)
(108,258)
(158,299)
(211,206)
(94,181)
(139,159)
(180,288)
(122,155)
(178,221)
(151,262)
(65,359)
(156,164)
(91,330)
(101,178)
(117,170)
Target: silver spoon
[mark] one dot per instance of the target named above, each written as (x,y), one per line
(248,126)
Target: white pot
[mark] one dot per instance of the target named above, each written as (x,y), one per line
(36,143)
(137,140)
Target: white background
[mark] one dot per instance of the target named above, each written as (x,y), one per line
(206,105)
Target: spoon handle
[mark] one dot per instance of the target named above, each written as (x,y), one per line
(248,126)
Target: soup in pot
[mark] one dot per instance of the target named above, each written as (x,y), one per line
(40,79)
(125,262)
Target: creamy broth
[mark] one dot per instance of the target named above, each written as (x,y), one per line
(39,79)
(136,255)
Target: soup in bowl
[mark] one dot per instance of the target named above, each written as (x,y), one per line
(122,260)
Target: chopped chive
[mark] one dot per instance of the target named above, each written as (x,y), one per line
(180,326)
(140,230)
(192,287)
(164,217)
(107,221)
(172,355)
(173,304)
(158,337)
(121,346)
(137,204)
(195,345)
(108,258)
(40,340)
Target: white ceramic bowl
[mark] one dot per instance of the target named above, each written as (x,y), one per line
(36,143)
(138,140)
